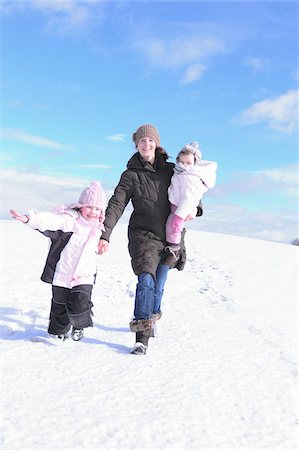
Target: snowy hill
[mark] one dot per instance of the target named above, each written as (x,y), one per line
(221,374)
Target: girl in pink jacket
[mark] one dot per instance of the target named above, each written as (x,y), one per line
(71,263)
(191,179)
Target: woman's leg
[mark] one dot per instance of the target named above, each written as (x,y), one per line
(161,277)
(144,298)
(143,310)
(148,297)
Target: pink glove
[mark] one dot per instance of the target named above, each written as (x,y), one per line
(177,224)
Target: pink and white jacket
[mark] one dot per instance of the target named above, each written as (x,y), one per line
(72,256)
(189,184)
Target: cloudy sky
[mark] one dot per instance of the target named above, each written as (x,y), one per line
(78,78)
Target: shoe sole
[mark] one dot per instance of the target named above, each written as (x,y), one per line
(134,352)
(77,338)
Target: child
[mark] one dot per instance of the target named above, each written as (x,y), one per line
(191,179)
(71,263)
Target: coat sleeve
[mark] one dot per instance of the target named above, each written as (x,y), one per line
(50,221)
(117,203)
(190,196)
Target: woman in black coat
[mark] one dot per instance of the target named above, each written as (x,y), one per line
(145,183)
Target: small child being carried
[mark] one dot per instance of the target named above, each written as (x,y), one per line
(191,179)
(71,266)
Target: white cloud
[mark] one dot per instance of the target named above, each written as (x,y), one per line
(71,87)
(40,107)
(193,73)
(285,175)
(280,226)
(116,137)
(65,17)
(280,113)
(14,104)
(22,136)
(183,50)
(256,63)
(266,183)
(96,166)
(26,190)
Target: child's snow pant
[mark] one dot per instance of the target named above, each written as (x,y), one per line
(174,227)
(70,307)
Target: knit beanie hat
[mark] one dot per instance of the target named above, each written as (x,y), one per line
(92,196)
(193,148)
(146,131)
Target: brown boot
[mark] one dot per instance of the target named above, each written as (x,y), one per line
(142,337)
(172,256)
(141,344)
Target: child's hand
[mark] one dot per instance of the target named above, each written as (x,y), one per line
(191,215)
(21,218)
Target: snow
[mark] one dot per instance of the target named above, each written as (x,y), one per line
(221,374)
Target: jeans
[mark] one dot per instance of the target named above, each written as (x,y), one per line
(149,292)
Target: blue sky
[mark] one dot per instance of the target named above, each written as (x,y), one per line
(78,78)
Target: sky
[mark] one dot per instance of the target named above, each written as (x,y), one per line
(220,373)
(79,77)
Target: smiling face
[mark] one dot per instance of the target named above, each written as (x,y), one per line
(146,147)
(91,213)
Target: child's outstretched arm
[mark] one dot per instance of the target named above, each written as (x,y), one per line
(20,217)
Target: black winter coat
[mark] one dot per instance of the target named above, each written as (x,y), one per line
(147,188)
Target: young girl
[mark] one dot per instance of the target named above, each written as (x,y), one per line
(71,263)
(191,179)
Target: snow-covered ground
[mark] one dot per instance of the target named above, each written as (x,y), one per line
(221,374)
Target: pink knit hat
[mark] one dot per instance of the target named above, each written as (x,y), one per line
(92,196)
(146,131)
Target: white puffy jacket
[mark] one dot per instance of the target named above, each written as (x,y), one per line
(77,262)
(189,184)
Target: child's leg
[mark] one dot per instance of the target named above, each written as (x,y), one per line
(59,322)
(78,306)
(174,226)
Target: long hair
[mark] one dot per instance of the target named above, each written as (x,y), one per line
(162,151)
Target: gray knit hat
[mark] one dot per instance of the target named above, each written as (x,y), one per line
(146,131)
(192,148)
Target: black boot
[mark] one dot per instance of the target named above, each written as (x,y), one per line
(141,343)
(142,337)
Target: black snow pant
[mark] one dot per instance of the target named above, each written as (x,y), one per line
(70,307)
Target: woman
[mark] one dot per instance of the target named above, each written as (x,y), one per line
(145,183)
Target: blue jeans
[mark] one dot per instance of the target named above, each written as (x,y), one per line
(149,292)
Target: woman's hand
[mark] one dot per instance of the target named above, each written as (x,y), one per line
(20,217)
(102,246)
(191,215)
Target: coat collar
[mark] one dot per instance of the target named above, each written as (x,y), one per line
(137,162)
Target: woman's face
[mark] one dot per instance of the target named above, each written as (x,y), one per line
(146,147)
